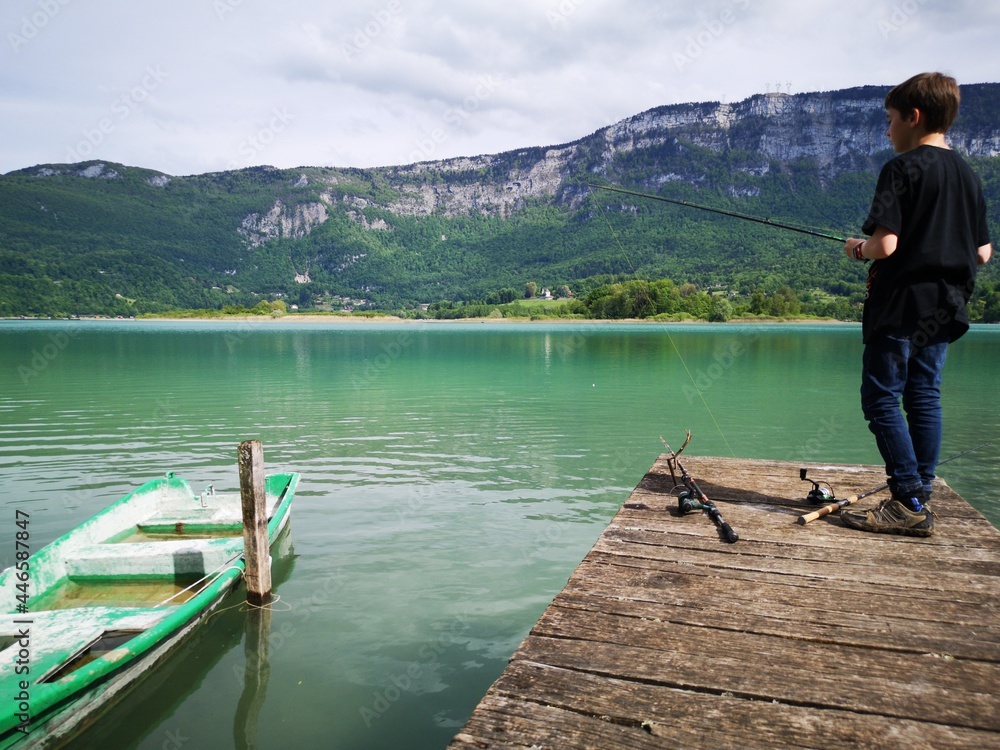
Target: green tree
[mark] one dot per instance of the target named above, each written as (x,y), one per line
(784,303)
(991,306)
(720,311)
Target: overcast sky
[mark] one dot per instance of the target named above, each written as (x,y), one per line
(193,86)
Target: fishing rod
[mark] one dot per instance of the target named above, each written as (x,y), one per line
(745,217)
(832,507)
(693,498)
(828,509)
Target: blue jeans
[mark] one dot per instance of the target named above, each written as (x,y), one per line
(893,367)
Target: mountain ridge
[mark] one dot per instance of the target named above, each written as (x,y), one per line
(463,226)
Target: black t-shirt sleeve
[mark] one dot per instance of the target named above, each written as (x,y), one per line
(983,230)
(887,205)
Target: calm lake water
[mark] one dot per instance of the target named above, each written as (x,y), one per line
(453,476)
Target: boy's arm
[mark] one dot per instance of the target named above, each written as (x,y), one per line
(879,246)
(983,253)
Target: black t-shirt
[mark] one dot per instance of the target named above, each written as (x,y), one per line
(932,200)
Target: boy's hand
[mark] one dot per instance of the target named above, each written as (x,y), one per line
(852,242)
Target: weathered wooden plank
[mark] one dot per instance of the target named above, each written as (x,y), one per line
(648,547)
(932,585)
(687,719)
(668,533)
(514,723)
(803,624)
(737,590)
(905,692)
(582,624)
(733,588)
(670,569)
(796,636)
(696,533)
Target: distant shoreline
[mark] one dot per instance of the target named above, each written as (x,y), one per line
(388,319)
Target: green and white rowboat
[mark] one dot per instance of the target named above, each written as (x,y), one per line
(87,615)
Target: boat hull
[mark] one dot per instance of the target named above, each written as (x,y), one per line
(70,681)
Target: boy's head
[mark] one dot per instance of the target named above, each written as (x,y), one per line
(935,95)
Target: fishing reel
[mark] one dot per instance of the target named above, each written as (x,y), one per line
(686,503)
(818,495)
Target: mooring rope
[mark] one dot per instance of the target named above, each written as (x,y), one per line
(221,569)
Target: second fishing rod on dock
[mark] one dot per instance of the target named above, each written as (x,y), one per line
(691,498)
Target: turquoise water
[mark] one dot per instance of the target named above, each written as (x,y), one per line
(453,476)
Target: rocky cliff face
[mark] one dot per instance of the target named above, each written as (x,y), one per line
(827,127)
(282,221)
(838,131)
(442,187)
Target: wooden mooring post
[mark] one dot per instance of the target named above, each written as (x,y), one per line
(254,501)
(795,636)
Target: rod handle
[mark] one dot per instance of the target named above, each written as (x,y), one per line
(724,528)
(727,531)
(826,510)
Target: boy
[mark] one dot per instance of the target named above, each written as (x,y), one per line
(927,235)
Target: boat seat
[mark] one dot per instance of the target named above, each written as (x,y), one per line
(220,510)
(184,557)
(190,521)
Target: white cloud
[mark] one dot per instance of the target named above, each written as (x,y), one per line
(377,83)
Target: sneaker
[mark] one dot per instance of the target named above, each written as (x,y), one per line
(891,517)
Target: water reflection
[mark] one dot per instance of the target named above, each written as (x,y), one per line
(150,704)
(256,675)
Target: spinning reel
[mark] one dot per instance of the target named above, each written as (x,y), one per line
(818,495)
(687,503)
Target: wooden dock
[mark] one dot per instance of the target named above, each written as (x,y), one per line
(814,636)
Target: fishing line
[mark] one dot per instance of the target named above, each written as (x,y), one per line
(613,234)
(680,357)
(735,215)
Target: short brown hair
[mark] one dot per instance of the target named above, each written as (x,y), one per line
(935,95)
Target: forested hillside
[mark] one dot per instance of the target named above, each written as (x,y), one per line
(105,238)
